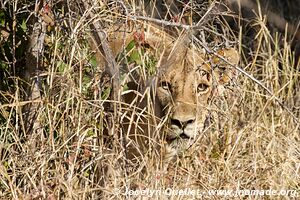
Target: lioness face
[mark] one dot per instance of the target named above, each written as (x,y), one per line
(185,85)
(184,89)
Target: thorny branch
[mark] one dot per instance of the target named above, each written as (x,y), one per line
(250,77)
(199,25)
(33,67)
(100,38)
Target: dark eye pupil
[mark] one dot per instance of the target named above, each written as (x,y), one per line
(202,87)
(203,73)
(165,85)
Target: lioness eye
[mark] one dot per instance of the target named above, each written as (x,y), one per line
(202,72)
(165,85)
(202,87)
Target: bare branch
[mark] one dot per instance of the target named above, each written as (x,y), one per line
(33,66)
(250,77)
(100,38)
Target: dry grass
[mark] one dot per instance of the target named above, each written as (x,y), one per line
(253,143)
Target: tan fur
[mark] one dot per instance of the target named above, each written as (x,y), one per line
(191,83)
(185,84)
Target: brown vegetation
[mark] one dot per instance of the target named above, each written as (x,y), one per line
(74,143)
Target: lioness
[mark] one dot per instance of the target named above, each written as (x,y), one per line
(185,82)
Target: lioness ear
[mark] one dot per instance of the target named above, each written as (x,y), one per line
(224,71)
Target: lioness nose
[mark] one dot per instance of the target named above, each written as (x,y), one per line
(181,124)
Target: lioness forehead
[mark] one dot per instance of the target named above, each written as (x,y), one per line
(185,60)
